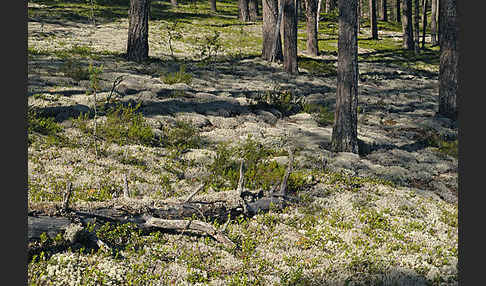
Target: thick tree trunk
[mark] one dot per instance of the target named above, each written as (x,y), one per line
(384,11)
(416,24)
(243,11)
(373,23)
(290,36)
(407,25)
(137,44)
(311,14)
(253,10)
(212,5)
(449,59)
(272,43)
(424,22)
(398,11)
(173,3)
(345,132)
(433,23)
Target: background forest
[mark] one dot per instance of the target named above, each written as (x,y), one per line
(242,142)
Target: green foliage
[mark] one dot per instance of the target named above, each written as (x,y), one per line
(42,125)
(173,32)
(208,46)
(322,115)
(282,99)
(181,136)
(75,70)
(180,76)
(294,277)
(318,67)
(123,125)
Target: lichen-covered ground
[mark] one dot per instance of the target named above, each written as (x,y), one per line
(385,217)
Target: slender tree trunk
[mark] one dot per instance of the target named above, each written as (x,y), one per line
(416,25)
(311,15)
(272,43)
(358,21)
(407,25)
(137,44)
(384,11)
(319,9)
(290,36)
(424,22)
(449,59)
(378,9)
(438,16)
(345,129)
(373,23)
(433,23)
(212,5)
(243,11)
(253,10)
(398,10)
(173,3)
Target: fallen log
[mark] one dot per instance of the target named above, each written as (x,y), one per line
(181,215)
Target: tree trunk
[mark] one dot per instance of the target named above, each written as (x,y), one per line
(407,25)
(384,11)
(173,3)
(373,23)
(433,23)
(212,4)
(378,9)
(253,10)
(416,25)
(345,132)
(137,44)
(290,36)
(319,9)
(272,43)
(424,22)
(330,5)
(398,11)
(311,14)
(358,21)
(449,59)
(243,11)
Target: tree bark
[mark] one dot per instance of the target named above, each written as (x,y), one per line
(311,14)
(398,11)
(272,43)
(358,21)
(243,11)
(290,36)
(416,24)
(173,3)
(384,11)
(212,5)
(424,22)
(449,59)
(345,132)
(373,23)
(137,44)
(253,10)
(407,25)
(433,23)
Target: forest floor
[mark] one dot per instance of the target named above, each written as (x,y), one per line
(206,99)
